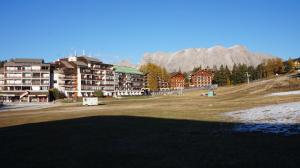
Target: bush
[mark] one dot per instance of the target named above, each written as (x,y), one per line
(98,93)
(55,94)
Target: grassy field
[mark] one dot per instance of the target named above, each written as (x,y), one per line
(164,131)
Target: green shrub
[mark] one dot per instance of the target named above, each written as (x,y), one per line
(98,93)
(55,94)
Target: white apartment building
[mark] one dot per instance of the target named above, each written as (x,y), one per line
(81,76)
(25,80)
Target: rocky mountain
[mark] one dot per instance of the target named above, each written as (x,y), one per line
(187,59)
(127,63)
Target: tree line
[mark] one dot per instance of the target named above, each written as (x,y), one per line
(224,75)
(240,72)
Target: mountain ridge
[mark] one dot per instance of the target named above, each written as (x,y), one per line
(187,59)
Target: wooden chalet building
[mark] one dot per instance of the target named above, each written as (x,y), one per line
(296,63)
(201,78)
(177,80)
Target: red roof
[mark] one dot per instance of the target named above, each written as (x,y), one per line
(202,73)
(177,74)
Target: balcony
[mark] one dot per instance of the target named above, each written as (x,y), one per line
(27,76)
(70,89)
(68,78)
(13,77)
(36,83)
(14,70)
(108,79)
(67,84)
(26,83)
(13,84)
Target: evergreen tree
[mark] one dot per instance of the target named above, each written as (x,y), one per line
(195,69)
(227,75)
(242,69)
(251,71)
(234,74)
(223,80)
(2,63)
(259,71)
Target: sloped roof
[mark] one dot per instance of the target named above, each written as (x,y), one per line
(92,59)
(25,61)
(67,64)
(173,74)
(28,60)
(296,59)
(202,72)
(80,63)
(124,69)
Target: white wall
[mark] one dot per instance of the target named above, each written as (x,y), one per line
(35,88)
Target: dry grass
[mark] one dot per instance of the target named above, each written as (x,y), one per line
(166,131)
(191,106)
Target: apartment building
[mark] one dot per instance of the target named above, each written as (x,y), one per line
(80,76)
(128,81)
(296,63)
(201,78)
(25,80)
(162,84)
(177,80)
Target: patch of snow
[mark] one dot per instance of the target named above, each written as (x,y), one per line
(296,92)
(25,106)
(280,119)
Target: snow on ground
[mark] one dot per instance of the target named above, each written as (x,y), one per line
(24,106)
(296,92)
(279,119)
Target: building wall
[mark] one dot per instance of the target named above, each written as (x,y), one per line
(90,75)
(296,64)
(128,84)
(177,81)
(201,78)
(25,81)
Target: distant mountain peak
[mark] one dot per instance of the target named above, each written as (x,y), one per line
(187,59)
(240,47)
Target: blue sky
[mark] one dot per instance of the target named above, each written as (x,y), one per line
(113,30)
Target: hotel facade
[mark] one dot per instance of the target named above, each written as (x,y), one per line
(25,80)
(29,80)
(201,78)
(128,81)
(81,76)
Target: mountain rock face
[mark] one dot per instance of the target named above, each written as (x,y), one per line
(187,59)
(127,63)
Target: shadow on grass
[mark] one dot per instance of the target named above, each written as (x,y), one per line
(120,141)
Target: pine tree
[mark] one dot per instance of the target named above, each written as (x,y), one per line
(234,74)
(227,75)
(251,71)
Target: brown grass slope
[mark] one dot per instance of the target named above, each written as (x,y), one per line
(168,131)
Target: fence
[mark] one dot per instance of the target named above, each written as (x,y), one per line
(182,91)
